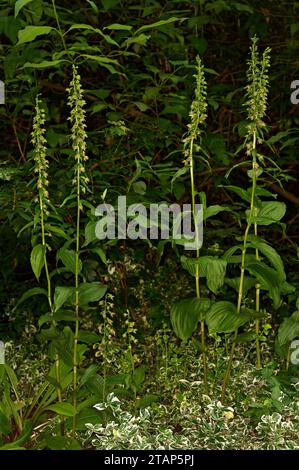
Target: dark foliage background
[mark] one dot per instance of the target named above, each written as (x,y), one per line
(139,85)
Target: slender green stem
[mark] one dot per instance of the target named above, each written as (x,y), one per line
(257,309)
(105,353)
(49,296)
(243,262)
(77,305)
(58,25)
(197,273)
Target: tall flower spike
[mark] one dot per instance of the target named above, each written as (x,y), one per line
(40,155)
(78,134)
(198,110)
(258,85)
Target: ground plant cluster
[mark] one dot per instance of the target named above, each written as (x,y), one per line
(149,342)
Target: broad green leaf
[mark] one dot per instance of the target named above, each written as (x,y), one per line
(65,315)
(12,376)
(5,426)
(158,24)
(51,333)
(268,278)
(141,39)
(270,212)
(101,253)
(216,270)
(264,192)
(239,191)
(23,437)
(88,415)
(289,329)
(90,28)
(93,6)
(57,231)
(185,315)
(61,443)
(229,254)
(37,259)
(61,295)
(190,264)
(88,337)
(119,27)
(64,409)
(19,5)
(287,288)
(90,232)
(30,293)
(182,171)
(61,315)
(246,337)
(243,7)
(208,266)
(223,318)
(108,4)
(270,253)
(29,33)
(88,374)
(43,64)
(68,257)
(213,210)
(248,283)
(104,62)
(91,292)
(278,137)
